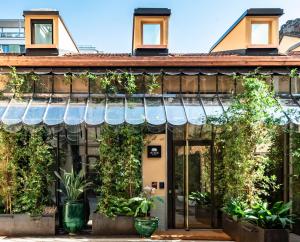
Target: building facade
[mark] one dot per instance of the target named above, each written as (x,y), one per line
(193,88)
(12,39)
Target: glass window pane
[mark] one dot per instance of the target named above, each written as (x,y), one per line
(226,84)
(4,79)
(115,113)
(135,111)
(55,112)
(75,112)
(42,31)
(291,109)
(281,84)
(14,112)
(172,84)
(3,106)
(35,112)
(95,111)
(44,84)
(212,107)
(260,34)
(60,84)
(151,34)
(175,111)
(208,84)
(295,85)
(155,111)
(189,84)
(80,85)
(194,111)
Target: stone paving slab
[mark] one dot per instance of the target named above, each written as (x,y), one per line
(87,239)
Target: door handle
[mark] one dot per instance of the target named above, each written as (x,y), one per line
(170,191)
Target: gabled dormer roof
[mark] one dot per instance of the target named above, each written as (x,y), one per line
(250,12)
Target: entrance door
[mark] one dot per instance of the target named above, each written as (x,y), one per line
(191,193)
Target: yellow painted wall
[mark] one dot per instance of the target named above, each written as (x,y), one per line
(240,36)
(155,169)
(286,42)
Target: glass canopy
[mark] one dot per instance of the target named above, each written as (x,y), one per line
(156,111)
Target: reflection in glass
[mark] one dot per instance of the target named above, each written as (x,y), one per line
(75,113)
(95,111)
(135,111)
(175,111)
(115,112)
(14,112)
(55,112)
(42,32)
(35,112)
(155,111)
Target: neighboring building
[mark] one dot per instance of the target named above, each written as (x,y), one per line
(88,49)
(290,36)
(193,88)
(12,39)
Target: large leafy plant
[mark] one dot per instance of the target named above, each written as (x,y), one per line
(73,184)
(249,125)
(26,168)
(145,202)
(120,151)
(236,209)
(276,217)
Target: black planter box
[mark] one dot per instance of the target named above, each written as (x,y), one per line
(252,233)
(231,227)
(25,225)
(120,225)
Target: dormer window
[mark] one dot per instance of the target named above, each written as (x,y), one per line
(260,33)
(151,34)
(150,31)
(42,31)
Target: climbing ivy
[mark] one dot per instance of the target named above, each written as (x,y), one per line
(20,83)
(119,167)
(248,128)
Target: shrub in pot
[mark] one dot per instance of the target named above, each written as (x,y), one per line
(73,211)
(233,212)
(267,224)
(144,224)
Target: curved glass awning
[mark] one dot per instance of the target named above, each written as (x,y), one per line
(153,110)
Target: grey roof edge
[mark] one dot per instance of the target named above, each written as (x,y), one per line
(293,47)
(152,12)
(40,12)
(249,12)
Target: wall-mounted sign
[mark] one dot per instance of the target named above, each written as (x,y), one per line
(154,151)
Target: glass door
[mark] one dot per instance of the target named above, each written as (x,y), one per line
(192,185)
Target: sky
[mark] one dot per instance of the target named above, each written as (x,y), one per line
(195,25)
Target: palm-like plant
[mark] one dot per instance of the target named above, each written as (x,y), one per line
(74,184)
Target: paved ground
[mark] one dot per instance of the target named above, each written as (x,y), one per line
(90,239)
(293,238)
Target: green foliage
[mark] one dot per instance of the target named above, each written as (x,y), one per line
(20,83)
(74,184)
(276,217)
(201,198)
(25,173)
(145,202)
(236,209)
(119,167)
(249,126)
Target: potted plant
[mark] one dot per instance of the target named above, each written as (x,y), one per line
(267,224)
(233,212)
(202,203)
(144,224)
(73,211)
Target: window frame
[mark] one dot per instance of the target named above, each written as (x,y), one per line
(160,23)
(28,30)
